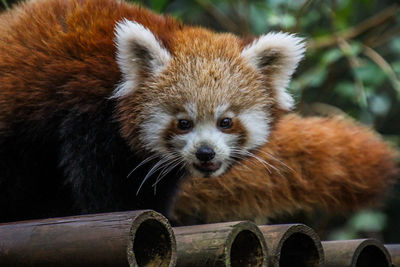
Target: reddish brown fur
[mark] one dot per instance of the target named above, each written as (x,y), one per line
(67,45)
(333,164)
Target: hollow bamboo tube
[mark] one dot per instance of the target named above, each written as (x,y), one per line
(293,245)
(233,244)
(356,253)
(133,238)
(394,251)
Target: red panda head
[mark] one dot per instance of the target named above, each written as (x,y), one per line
(206,100)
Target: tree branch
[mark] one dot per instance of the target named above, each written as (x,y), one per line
(379,19)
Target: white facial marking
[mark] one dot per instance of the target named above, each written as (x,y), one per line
(128,36)
(191,110)
(153,128)
(220,110)
(290,50)
(256,123)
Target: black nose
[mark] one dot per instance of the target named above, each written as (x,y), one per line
(205,153)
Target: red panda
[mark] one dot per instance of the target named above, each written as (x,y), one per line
(105,106)
(310,164)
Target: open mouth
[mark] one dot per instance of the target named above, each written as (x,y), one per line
(208,167)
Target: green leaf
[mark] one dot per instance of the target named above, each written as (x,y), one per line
(396,67)
(258,18)
(342,234)
(370,74)
(158,5)
(312,78)
(379,104)
(318,76)
(331,56)
(347,90)
(365,117)
(288,21)
(5,4)
(368,221)
(395,45)
(354,49)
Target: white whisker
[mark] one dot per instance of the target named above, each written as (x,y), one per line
(262,161)
(156,167)
(141,164)
(271,156)
(165,171)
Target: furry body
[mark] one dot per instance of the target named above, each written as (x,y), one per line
(93,92)
(61,151)
(329,164)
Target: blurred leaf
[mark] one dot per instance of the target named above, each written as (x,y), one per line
(394,139)
(342,234)
(365,117)
(347,90)
(287,21)
(276,4)
(313,77)
(158,5)
(396,66)
(258,18)
(362,221)
(5,4)
(368,221)
(331,56)
(354,49)
(395,45)
(319,76)
(312,17)
(370,74)
(379,104)
(274,19)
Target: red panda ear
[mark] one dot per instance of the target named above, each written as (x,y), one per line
(139,55)
(276,56)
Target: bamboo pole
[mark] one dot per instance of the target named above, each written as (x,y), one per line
(134,238)
(356,253)
(293,245)
(221,244)
(394,251)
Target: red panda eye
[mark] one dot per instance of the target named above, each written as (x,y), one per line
(185,125)
(225,123)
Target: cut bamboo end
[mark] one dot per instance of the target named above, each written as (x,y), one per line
(293,245)
(134,238)
(152,241)
(356,253)
(222,244)
(394,251)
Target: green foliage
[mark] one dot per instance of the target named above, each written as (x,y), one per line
(366,221)
(159,4)
(5,4)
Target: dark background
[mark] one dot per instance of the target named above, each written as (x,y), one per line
(352,67)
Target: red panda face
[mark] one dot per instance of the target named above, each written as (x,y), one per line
(208,112)
(206,102)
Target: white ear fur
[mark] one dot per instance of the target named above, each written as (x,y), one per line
(278,54)
(138,52)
